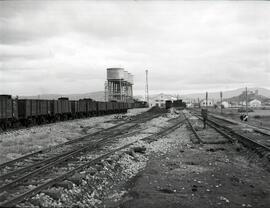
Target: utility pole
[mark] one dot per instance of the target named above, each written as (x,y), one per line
(221,101)
(206,96)
(146,88)
(246,101)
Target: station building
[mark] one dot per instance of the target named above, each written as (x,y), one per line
(226,104)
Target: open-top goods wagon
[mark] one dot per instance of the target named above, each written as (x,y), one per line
(37,111)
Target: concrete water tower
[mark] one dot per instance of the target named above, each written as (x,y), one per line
(119,87)
(125,86)
(130,88)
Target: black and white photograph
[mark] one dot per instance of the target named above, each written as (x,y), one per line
(134,104)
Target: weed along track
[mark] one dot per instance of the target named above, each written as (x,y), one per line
(28,176)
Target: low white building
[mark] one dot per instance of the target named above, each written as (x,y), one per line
(203,103)
(226,104)
(160,100)
(255,103)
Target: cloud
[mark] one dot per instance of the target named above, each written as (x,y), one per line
(51,46)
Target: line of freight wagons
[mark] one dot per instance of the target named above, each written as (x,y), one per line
(179,104)
(14,112)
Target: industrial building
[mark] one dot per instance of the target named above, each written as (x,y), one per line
(119,85)
(226,104)
(160,100)
(205,103)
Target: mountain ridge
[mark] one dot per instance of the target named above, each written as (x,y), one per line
(227,94)
(99,95)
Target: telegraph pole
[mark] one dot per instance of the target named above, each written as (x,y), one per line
(221,101)
(206,96)
(246,101)
(146,88)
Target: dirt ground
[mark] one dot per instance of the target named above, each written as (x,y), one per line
(188,175)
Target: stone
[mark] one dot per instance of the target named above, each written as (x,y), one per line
(64,184)
(55,194)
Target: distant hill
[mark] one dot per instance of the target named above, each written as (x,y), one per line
(99,96)
(227,94)
(250,96)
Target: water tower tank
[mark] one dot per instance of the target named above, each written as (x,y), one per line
(115,73)
(126,76)
(130,78)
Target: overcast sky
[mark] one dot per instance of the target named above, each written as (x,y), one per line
(65,47)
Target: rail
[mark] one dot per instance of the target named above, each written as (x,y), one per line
(15,199)
(233,136)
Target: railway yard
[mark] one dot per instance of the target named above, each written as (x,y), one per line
(144,158)
(134,104)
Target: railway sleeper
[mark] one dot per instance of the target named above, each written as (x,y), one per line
(193,138)
(217,142)
(3,196)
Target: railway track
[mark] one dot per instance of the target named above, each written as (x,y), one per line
(42,159)
(207,136)
(114,130)
(36,180)
(257,128)
(197,137)
(252,122)
(255,141)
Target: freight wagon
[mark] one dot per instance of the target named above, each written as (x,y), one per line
(74,108)
(168,104)
(33,111)
(140,104)
(179,104)
(91,107)
(101,108)
(8,111)
(64,108)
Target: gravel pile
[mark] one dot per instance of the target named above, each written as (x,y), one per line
(154,125)
(136,111)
